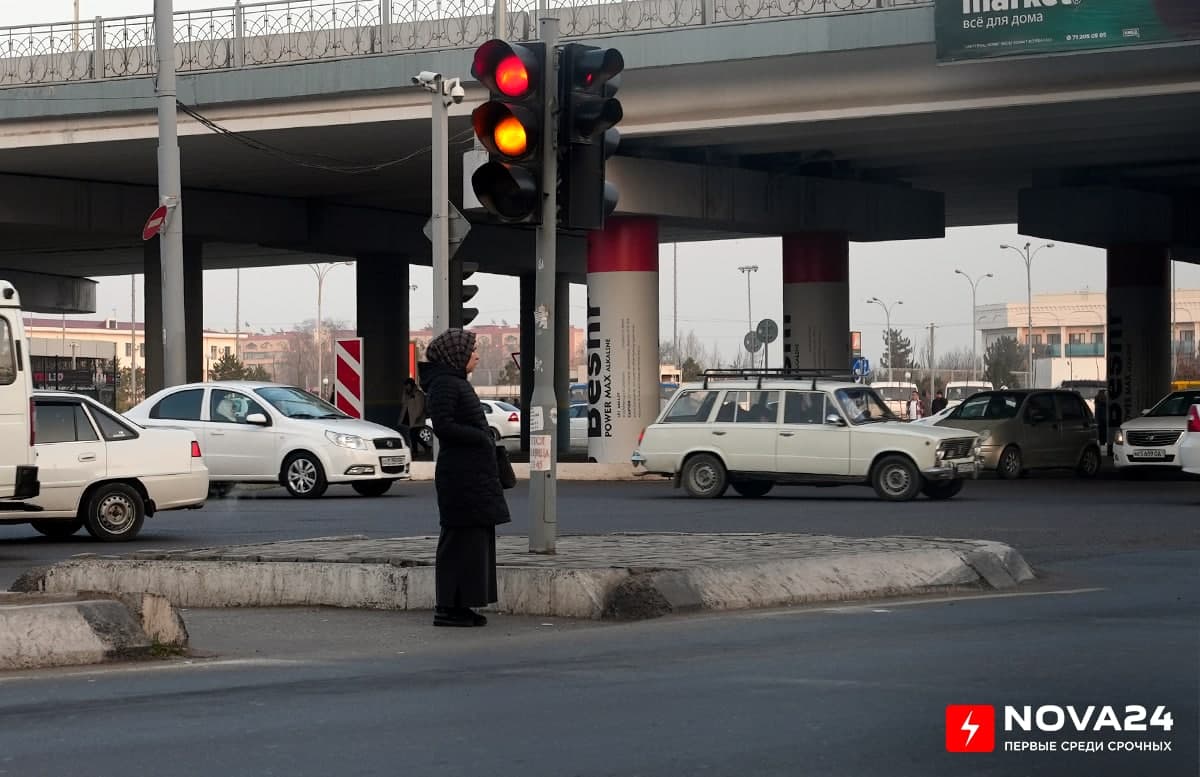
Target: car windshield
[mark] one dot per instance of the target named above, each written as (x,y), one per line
(863,406)
(990,406)
(1176,404)
(959,393)
(296,403)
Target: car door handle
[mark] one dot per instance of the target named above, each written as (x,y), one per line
(87,457)
(719,434)
(787,434)
(217,434)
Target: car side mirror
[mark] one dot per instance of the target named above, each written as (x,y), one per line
(257,419)
(833,419)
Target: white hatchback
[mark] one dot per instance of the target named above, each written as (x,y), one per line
(101,472)
(255,432)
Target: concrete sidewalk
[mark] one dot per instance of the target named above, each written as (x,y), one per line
(592,576)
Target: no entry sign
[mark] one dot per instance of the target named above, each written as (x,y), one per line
(155,223)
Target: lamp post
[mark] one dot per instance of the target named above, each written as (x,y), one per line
(974,287)
(747,269)
(887,312)
(321,270)
(1027,256)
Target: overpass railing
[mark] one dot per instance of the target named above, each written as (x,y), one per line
(282,31)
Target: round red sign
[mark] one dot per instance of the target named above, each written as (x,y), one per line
(155,223)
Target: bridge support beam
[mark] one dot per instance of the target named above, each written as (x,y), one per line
(1139,329)
(622,336)
(381,282)
(816,300)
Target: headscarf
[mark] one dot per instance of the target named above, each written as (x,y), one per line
(452,348)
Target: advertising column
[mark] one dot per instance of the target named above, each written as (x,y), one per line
(816,301)
(622,336)
(1139,324)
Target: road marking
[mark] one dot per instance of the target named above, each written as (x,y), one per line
(878,607)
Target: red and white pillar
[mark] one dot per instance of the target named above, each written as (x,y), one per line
(816,300)
(622,336)
(1139,329)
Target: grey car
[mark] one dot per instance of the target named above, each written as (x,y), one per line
(1030,429)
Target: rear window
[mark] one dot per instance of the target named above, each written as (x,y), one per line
(8,355)
(111,427)
(508,408)
(988,407)
(691,407)
(180,406)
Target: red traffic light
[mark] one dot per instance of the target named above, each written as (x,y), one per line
(510,69)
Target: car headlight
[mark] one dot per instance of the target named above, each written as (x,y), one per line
(346,440)
(1119,439)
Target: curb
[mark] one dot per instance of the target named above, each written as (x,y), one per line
(46,630)
(603,592)
(423,470)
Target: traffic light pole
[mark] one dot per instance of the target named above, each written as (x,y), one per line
(170,239)
(440,223)
(543,452)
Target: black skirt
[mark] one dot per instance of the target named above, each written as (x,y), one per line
(466,567)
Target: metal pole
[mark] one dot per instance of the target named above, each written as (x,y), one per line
(887,317)
(133,354)
(237,316)
(675,303)
(169,190)
(1029,313)
(543,487)
(932,369)
(440,226)
(320,348)
(75,29)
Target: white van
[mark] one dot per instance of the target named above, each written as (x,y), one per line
(18,462)
(958,390)
(895,395)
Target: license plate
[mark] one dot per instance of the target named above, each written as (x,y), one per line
(968,466)
(1148,453)
(393,461)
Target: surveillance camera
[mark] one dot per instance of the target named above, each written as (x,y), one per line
(426,77)
(457,93)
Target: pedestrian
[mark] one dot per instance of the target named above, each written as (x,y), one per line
(914,406)
(1102,420)
(939,403)
(412,414)
(470,498)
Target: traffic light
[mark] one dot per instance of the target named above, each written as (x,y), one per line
(588,79)
(510,127)
(461,293)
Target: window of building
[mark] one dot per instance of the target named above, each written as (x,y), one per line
(228,351)
(1097,338)
(1054,339)
(142,350)
(1077,338)
(128,350)
(212,352)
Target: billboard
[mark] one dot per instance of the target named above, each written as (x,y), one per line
(983,29)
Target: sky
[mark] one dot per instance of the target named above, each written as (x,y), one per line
(918,272)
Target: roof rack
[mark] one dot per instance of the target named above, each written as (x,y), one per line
(784,373)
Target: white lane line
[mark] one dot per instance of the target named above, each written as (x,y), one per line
(883,607)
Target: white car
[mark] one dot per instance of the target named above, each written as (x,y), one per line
(1189,446)
(751,433)
(103,473)
(930,420)
(1152,440)
(579,435)
(254,432)
(503,419)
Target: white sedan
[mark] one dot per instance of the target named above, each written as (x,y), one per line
(256,432)
(503,420)
(1189,446)
(1152,439)
(103,473)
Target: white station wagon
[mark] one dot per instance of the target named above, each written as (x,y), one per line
(752,431)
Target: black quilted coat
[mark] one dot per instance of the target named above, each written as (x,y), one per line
(468,484)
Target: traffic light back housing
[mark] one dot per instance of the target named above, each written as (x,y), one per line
(589,78)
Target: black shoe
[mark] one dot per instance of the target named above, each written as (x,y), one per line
(462,618)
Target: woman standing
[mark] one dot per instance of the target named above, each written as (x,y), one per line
(470,499)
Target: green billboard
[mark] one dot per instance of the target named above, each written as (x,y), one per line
(981,29)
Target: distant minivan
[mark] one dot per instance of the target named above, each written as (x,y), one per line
(18,459)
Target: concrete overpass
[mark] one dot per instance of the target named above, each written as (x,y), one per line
(740,119)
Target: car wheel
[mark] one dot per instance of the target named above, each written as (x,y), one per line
(942,489)
(115,513)
(752,488)
(1089,463)
(425,436)
(372,487)
(1009,467)
(219,490)
(704,476)
(58,530)
(896,479)
(303,476)
(495,434)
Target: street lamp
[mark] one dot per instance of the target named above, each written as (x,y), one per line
(321,270)
(747,269)
(974,315)
(887,312)
(1027,257)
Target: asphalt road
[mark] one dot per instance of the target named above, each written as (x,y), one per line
(853,690)
(1047,519)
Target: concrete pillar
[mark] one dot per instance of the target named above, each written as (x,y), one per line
(381,285)
(1139,323)
(193,307)
(153,335)
(816,301)
(622,336)
(528,293)
(562,360)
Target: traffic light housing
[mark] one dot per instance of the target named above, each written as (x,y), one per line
(462,292)
(588,79)
(510,127)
